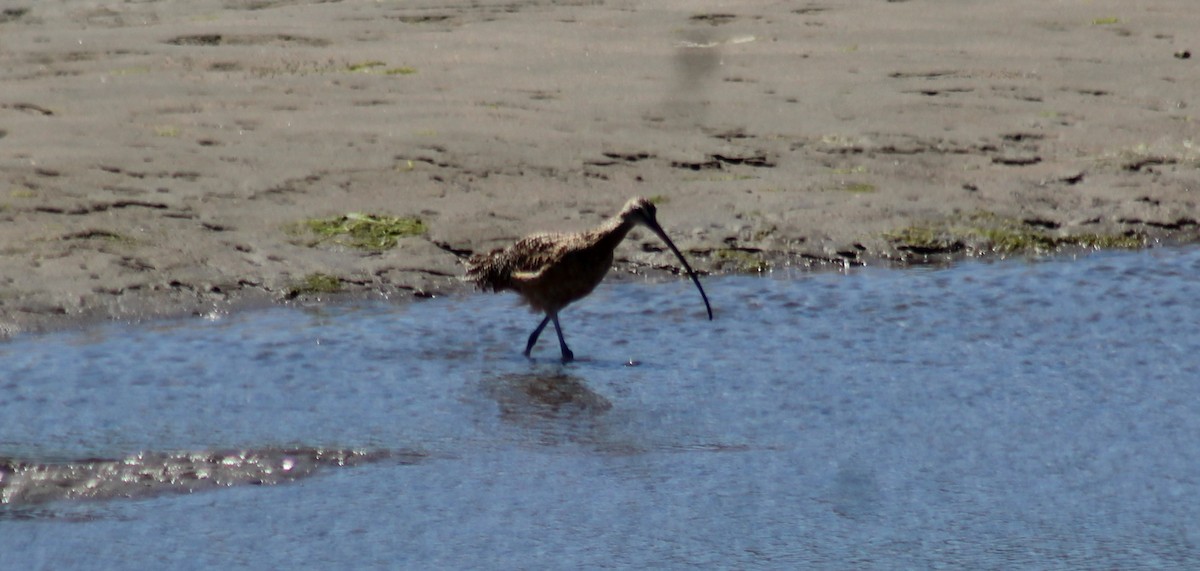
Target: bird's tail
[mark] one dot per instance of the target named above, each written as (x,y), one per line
(487,271)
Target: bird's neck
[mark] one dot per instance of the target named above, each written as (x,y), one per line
(610,234)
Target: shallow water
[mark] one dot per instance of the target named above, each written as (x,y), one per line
(991,415)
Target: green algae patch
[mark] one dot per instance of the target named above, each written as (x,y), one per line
(1126,241)
(379,67)
(856,187)
(741,260)
(314,284)
(366,66)
(329,66)
(364,231)
(169,131)
(1013,238)
(924,239)
(988,233)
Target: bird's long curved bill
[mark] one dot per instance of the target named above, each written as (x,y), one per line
(696,280)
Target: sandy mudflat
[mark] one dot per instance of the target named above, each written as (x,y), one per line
(156,156)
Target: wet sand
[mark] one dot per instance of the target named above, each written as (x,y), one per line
(148,474)
(157,158)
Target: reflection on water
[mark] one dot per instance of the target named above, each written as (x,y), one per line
(553,407)
(990,415)
(551,395)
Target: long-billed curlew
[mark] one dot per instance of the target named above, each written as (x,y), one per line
(550,271)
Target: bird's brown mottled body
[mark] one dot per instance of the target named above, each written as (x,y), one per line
(551,271)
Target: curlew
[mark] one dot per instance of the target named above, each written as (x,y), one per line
(551,271)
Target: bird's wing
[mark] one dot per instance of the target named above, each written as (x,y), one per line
(523,261)
(532,255)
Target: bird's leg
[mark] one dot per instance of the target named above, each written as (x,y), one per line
(567,355)
(538,331)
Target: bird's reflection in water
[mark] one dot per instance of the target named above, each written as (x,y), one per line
(547,395)
(554,407)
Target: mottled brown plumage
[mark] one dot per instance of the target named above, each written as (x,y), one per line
(550,271)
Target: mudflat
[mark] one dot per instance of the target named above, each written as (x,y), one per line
(166,158)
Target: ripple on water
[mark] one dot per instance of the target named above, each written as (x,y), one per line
(993,415)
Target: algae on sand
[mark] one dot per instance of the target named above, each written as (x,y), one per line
(986,232)
(365,231)
(741,260)
(314,284)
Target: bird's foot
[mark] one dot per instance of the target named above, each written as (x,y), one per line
(567,356)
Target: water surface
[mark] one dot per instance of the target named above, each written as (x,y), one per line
(990,415)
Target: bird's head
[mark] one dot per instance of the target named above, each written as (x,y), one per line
(640,210)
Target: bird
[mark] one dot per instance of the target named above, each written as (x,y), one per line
(551,271)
